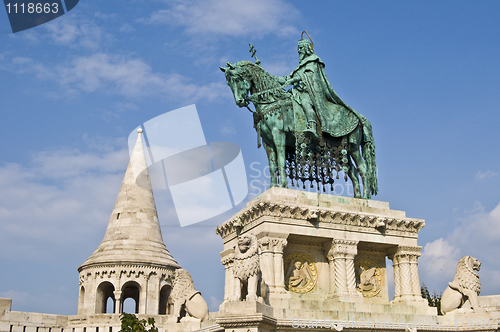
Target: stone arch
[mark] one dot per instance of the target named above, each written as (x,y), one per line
(105,290)
(81,300)
(131,289)
(166,303)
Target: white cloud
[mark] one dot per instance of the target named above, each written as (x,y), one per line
(439,257)
(485,175)
(476,236)
(127,28)
(230,17)
(228,128)
(280,68)
(214,304)
(57,200)
(26,65)
(78,32)
(126,76)
(120,75)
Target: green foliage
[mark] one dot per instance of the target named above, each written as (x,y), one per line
(130,323)
(434,299)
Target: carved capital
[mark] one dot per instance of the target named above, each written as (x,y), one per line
(330,255)
(227,260)
(414,258)
(405,254)
(279,245)
(343,248)
(409,251)
(265,245)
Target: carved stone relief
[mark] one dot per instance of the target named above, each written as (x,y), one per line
(368,277)
(301,273)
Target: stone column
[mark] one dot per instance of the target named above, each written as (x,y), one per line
(405,277)
(397,277)
(350,273)
(279,273)
(267,261)
(331,267)
(227,261)
(414,275)
(342,275)
(406,280)
(81,295)
(118,301)
(143,295)
(153,293)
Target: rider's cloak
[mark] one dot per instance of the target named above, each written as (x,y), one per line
(335,117)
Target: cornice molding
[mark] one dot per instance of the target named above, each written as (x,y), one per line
(321,215)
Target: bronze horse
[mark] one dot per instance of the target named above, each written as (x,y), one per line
(290,152)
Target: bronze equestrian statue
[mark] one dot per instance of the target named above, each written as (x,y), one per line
(308,132)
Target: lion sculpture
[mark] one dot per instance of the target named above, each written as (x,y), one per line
(186,300)
(246,270)
(461,294)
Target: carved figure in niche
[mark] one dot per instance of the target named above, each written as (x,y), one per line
(246,270)
(461,294)
(187,301)
(301,274)
(368,277)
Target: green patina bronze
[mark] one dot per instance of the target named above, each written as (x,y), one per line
(308,132)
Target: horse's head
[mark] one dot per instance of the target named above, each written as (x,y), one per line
(239,85)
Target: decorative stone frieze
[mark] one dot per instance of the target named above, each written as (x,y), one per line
(322,215)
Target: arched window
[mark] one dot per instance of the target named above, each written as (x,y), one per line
(81,300)
(166,304)
(110,305)
(105,291)
(129,306)
(131,290)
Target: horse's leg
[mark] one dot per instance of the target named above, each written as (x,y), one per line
(279,139)
(271,157)
(354,144)
(352,172)
(267,141)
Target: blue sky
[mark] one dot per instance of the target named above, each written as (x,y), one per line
(426,74)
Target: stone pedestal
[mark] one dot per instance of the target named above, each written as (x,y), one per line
(318,251)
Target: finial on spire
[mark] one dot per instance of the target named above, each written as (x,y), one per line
(139,130)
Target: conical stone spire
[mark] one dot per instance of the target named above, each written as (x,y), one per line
(133,234)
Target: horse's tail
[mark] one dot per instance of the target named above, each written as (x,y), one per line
(368,150)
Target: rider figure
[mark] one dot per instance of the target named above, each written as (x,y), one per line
(314,95)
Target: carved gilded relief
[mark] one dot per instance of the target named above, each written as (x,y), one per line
(301,273)
(368,277)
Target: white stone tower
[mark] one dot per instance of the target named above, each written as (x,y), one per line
(132,261)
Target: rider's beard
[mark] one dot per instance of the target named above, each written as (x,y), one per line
(302,55)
